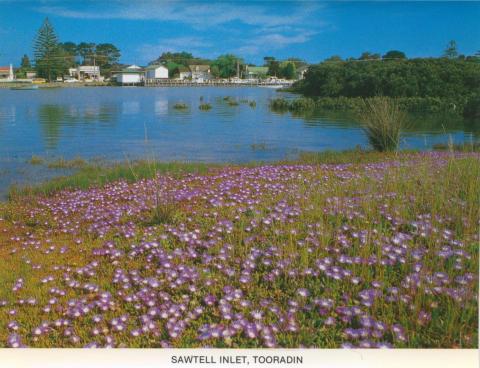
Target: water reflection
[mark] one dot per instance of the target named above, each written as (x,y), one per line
(54,118)
(113,122)
(161,107)
(130,107)
(7,114)
(51,118)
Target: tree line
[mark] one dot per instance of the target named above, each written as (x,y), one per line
(228,65)
(398,77)
(53,58)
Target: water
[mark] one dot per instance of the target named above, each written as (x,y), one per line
(131,122)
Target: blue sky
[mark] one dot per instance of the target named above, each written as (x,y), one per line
(311,30)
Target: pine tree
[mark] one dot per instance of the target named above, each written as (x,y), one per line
(48,57)
(451,51)
(25,63)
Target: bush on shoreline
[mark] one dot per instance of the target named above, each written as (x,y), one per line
(355,104)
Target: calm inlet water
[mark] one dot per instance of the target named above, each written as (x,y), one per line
(119,123)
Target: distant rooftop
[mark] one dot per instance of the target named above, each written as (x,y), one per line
(199,68)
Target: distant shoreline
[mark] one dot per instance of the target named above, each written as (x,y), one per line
(8,85)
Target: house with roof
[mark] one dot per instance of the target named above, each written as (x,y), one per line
(85,72)
(6,73)
(184,73)
(156,72)
(200,73)
(130,75)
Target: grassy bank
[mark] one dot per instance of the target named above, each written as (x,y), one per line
(336,249)
(96,173)
(92,174)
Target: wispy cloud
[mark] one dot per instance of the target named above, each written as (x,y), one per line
(193,13)
(274,41)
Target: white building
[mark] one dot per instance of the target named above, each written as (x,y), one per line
(184,73)
(200,73)
(156,72)
(131,75)
(85,72)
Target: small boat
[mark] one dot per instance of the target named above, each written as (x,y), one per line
(25,87)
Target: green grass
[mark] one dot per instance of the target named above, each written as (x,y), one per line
(89,175)
(92,174)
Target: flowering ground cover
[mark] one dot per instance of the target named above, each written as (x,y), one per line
(374,253)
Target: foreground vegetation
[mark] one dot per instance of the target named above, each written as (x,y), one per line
(353,249)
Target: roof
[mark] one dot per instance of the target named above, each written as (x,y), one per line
(128,71)
(199,68)
(4,68)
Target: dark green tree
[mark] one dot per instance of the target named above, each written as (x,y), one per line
(227,65)
(428,77)
(334,59)
(288,70)
(181,58)
(24,67)
(107,54)
(69,49)
(274,68)
(25,63)
(369,56)
(49,61)
(451,51)
(394,54)
(215,71)
(86,50)
(267,60)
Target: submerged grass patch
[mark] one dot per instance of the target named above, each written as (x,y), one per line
(36,160)
(205,106)
(361,249)
(63,163)
(180,106)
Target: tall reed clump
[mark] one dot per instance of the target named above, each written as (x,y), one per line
(382,120)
